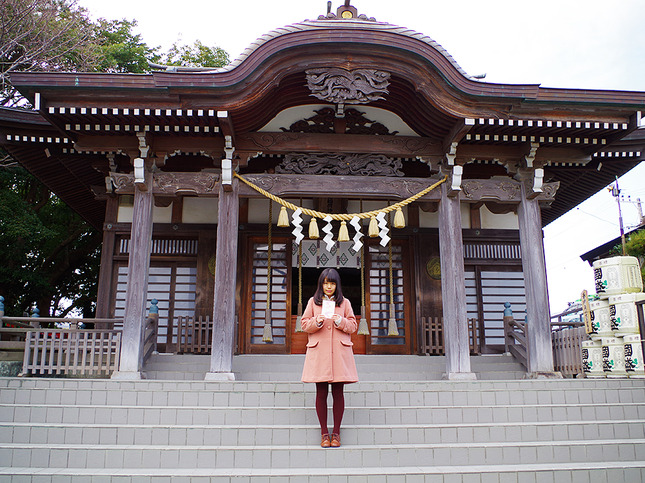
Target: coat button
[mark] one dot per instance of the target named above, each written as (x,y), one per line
(329,327)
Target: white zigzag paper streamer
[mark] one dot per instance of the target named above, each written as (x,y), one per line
(382,224)
(296,219)
(356,223)
(328,238)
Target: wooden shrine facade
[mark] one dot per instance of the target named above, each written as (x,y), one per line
(337,115)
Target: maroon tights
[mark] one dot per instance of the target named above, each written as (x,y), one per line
(322,389)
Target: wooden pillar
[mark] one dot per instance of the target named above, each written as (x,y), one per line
(225,274)
(137,283)
(104,294)
(540,351)
(453,289)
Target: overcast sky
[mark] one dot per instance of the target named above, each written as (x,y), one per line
(590,44)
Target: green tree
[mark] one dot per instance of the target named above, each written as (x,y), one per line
(50,256)
(121,49)
(40,35)
(196,55)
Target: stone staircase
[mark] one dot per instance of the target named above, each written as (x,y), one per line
(260,431)
(258,367)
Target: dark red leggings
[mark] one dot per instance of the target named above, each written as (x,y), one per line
(322,390)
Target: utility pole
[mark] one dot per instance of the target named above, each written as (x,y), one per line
(615,191)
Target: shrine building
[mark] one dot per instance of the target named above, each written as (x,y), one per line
(340,142)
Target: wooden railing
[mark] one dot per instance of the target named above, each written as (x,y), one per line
(194,335)
(432,342)
(515,341)
(87,352)
(150,336)
(567,348)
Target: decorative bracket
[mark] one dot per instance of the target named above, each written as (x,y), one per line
(144,147)
(452,153)
(140,174)
(227,164)
(455,180)
(538,181)
(530,157)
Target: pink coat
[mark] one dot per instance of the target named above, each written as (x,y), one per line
(330,357)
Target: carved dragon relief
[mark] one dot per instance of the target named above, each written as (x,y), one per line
(341,164)
(324,122)
(341,86)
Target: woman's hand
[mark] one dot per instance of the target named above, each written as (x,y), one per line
(320,318)
(336,318)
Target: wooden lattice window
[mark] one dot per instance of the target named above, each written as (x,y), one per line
(280,280)
(379,294)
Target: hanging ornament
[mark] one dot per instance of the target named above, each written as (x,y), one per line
(299,317)
(267,333)
(399,219)
(328,238)
(373,228)
(382,224)
(343,234)
(363,327)
(392,327)
(313,229)
(296,219)
(356,223)
(283,218)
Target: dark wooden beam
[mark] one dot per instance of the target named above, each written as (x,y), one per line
(457,133)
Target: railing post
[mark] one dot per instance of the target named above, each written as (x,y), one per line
(1,306)
(35,313)
(153,313)
(508,320)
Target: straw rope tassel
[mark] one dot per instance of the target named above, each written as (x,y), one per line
(267,335)
(363,326)
(299,318)
(392,328)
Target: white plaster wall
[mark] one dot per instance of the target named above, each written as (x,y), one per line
(431,220)
(290,115)
(259,210)
(159,214)
(507,221)
(199,210)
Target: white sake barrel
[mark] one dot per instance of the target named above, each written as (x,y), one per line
(623,314)
(600,319)
(613,356)
(634,356)
(617,275)
(592,358)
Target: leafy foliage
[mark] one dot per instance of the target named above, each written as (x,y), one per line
(39,35)
(49,253)
(121,49)
(196,55)
(50,256)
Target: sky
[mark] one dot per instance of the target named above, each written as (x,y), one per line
(586,44)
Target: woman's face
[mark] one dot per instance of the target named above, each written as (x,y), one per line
(329,288)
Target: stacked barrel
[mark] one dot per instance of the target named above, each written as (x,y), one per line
(615,347)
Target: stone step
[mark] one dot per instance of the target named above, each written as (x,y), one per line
(597,472)
(298,434)
(206,394)
(92,414)
(301,456)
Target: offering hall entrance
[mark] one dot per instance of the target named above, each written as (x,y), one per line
(380,288)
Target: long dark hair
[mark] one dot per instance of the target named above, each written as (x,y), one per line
(331,275)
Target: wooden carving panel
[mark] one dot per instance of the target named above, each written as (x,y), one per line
(171,184)
(341,164)
(341,86)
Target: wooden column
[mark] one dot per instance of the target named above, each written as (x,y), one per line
(104,294)
(225,274)
(540,351)
(137,286)
(453,288)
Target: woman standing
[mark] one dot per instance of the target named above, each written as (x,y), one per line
(329,321)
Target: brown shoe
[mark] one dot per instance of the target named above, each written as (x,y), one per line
(324,441)
(335,440)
